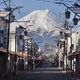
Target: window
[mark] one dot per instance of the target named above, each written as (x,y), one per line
(1,44)
(1,31)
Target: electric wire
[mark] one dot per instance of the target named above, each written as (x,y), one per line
(15,18)
(10,5)
(49,1)
(20,14)
(2,2)
(7,5)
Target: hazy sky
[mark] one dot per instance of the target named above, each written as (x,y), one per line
(31,5)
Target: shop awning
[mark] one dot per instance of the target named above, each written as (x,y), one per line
(71,56)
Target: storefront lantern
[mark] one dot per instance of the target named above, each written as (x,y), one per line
(67,14)
(12,17)
(75,21)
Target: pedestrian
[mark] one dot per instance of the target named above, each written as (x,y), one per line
(31,63)
(36,63)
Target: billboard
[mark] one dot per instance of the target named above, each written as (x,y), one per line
(48,47)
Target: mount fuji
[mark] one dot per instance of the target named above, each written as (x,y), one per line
(44,29)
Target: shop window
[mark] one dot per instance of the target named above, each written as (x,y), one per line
(1,45)
(1,31)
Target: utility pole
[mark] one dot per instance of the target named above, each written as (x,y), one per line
(8,29)
(8,33)
(59,55)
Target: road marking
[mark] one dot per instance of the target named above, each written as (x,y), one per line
(30,77)
(46,72)
(34,72)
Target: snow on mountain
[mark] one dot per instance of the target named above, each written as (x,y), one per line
(44,27)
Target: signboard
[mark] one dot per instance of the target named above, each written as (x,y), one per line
(75,9)
(68,30)
(3,13)
(62,39)
(48,47)
(20,29)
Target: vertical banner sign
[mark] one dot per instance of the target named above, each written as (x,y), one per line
(19,30)
(75,8)
(4,12)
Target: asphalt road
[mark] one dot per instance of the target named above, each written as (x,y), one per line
(44,73)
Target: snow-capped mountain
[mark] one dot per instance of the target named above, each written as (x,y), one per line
(44,26)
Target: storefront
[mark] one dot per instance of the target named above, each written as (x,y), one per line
(12,63)
(77,62)
(74,62)
(2,61)
(70,63)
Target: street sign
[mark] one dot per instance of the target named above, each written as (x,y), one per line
(75,9)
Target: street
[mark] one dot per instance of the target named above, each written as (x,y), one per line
(43,73)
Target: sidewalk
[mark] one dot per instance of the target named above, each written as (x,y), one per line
(73,76)
(18,73)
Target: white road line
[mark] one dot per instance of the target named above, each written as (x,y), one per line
(30,77)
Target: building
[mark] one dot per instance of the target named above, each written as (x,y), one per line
(73,53)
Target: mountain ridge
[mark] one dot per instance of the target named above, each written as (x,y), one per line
(44,26)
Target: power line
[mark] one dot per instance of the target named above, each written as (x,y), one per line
(20,14)
(2,2)
(49,1)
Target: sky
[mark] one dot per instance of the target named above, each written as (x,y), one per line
(31,5)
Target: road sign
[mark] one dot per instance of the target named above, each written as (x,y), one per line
(75,9)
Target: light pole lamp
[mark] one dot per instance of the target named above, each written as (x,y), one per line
(67,14)
(75,21)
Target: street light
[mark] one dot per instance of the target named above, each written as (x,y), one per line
(67,14)
(75,21)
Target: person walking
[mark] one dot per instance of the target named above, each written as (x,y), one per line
(31,64)
(36,63)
